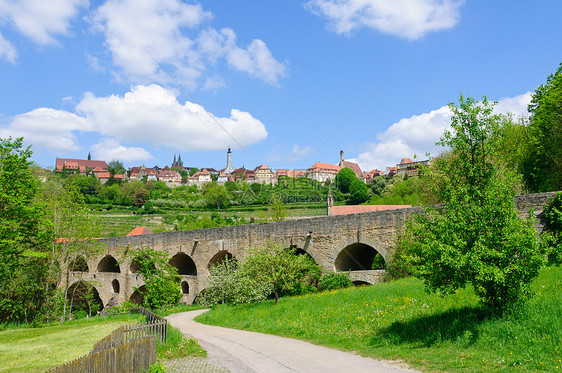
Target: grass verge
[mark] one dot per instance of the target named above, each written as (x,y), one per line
(400,321)
(39,349)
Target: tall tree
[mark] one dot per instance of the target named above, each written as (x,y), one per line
(476,237)
(542,167)
(24,236)
(344,178)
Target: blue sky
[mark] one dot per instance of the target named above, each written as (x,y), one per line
(285,83)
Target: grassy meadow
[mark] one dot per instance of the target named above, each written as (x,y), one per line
(400,321)
(28,349)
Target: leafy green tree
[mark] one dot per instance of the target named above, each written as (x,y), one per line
(24,237)
(542,166)
(344,178)
(115,167)
(193,171)
(553,236)
(74,230)
(140,197)
(277,209)
(228,284)
(161,279)
(378,185)
(476,237)
(286,272)
(358,191)
(215,194)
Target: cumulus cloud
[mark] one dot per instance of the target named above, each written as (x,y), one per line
(109,149)
(7,50)
(149,116)
(410,19)
(140,32)
(40,21)
(418,134)
(47,128)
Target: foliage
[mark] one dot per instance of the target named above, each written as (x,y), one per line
(542,168)
(140,197)
(228,284)
(115,167)
(286,272)
(334,281)
(358,191)
(553,221)
(400,321)
(476,237)
(215,194)
(277,210)
(24,237)
(161,280)
(378,185)
(193,171)
(344,178)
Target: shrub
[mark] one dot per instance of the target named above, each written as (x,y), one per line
(333,281)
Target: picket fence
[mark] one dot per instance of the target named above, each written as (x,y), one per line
(128,349)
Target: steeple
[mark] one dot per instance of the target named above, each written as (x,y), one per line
(89,156)
(179,158)
(229,169)
(174,162)
(342,162)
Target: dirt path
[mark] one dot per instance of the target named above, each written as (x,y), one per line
(243,351)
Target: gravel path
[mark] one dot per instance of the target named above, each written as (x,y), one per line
(239,351)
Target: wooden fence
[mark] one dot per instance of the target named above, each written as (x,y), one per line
(129,348)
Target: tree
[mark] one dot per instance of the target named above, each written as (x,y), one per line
(542,166)
(115,167)
(344,178)
(358,191)
(193,171)
(140,197)
(277,210)
(24,237)
(215,194)
(286,272)
(74,231)
(476,237)
(378,185)
(161,279)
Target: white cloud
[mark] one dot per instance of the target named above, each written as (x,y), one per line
(138,32)
(108,149)
(40,20)
(152,115)
(7,50)
(410,19)
(147,115)
(418,134)
(47,128)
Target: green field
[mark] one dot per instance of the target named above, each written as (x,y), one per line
(38,349)
(400,321)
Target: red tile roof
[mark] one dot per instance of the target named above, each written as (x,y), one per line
(139,231)
(79,163)
(344,210)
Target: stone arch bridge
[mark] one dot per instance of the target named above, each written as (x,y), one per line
(336,243)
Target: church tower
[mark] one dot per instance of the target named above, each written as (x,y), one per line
(229,169)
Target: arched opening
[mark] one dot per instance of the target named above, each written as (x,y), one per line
(138,296)
(358,257)
(299,251)
(79,264)
(83,296)
(219,258)
(184,287)
(184,264)
(136,265)
(115,286)
(108,264)
(360,283)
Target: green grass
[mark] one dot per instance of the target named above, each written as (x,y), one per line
(178,345)
(400,321)
(39,349)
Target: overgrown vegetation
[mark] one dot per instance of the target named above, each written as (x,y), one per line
(399,320)
(476,237)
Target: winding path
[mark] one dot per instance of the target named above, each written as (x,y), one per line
(244,351)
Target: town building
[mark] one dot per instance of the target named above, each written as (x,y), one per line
(351,165)
(407,167)
(322,171)
(264,174)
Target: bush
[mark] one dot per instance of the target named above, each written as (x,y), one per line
(553,237)
(333,281)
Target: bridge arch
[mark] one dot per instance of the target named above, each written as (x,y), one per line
(78,297)
(184,288)
(219,258)
(115,286)
(79,264)
(109,264)
(184,264)
(138,296)
(358,256)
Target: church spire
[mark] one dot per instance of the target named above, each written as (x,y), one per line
(89,156)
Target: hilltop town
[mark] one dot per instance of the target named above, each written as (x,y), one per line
(177,174)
